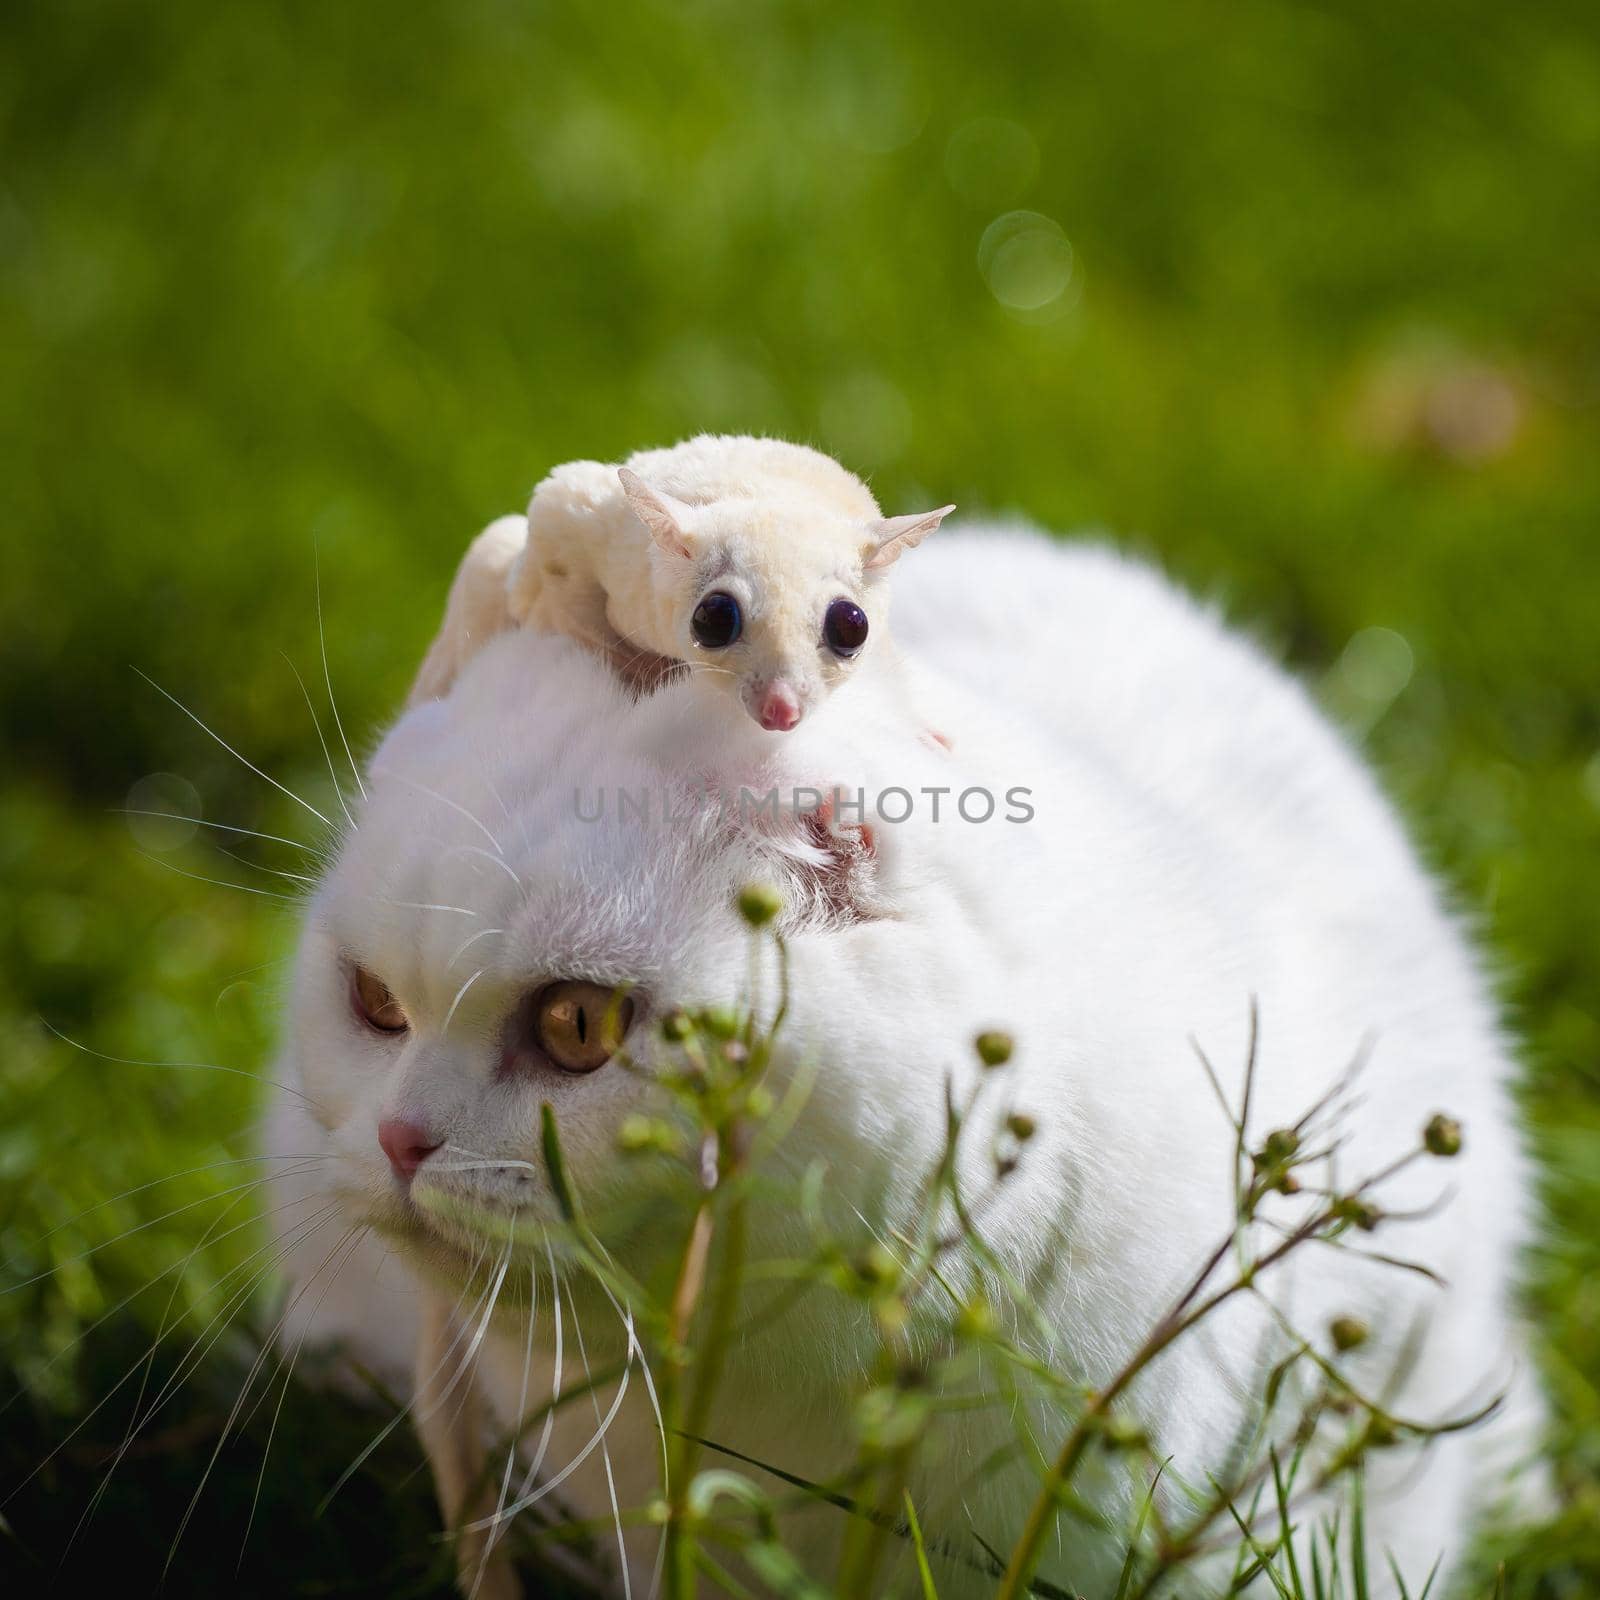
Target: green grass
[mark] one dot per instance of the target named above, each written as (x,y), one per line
(294,284)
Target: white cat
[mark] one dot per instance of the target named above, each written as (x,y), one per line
(1199,841)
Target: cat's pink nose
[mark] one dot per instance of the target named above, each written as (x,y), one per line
(778,710)
(407,1145)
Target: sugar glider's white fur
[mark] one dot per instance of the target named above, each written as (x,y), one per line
(1200,840)
(618,557)
(477,609)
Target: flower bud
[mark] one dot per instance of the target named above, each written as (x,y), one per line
(1347,1333)
(993,1047)
(1442,1136)
(1279,1146)
(721,1022)
(676,1027)
(1021,1126)
(975,1320)
(1381,1433)
(876,1268)
(639,1134)
(1122,1433)
(759,903)
(1359,1213)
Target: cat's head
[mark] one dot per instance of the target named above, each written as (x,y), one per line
(776,597)
(540,869)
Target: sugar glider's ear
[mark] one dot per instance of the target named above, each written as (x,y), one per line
(889,539)
(668,520)
(477,609)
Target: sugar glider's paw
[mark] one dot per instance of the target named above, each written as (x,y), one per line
(477,609)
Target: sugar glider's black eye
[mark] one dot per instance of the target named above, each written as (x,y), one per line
(844,628)
(716,622)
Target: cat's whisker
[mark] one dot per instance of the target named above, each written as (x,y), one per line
(470,1357)
(256,866)
(218,883)
(222,827)
(265,776)
(279,1248)
(327,676)
(172,1177)
(178,1267)
(605,1449)
(464,1369)
(516,1433)
(521,817)
(467,943)
(461,995)
(483,1164)
(479,1162)
(166,1216)
(196,1354)
(422,905)
(443,799)
(534,1495)
(183,1066)
(486,1300)
(531,1476)
(637,1352)
(499,861)
(354,1238)
(327,755)
(262,1357)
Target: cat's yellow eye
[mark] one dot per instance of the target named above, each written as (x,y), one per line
(579,1026)
(373,1001)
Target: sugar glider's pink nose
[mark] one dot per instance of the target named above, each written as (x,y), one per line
(778,709)
(407,1145)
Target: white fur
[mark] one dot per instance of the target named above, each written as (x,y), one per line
(1201,840)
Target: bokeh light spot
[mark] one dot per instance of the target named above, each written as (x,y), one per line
(1026,260)
(157,808)
(1376,665)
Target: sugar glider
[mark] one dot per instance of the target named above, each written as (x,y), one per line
(762,563)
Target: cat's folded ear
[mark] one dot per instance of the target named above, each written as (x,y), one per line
(670,521)
(889,539)
(827,853)
(477,609)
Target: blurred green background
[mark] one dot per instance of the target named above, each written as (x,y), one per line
(1304,301)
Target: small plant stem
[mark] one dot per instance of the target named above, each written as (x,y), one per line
(1183,1316)
(679,1568)
(686,1425)
(864,1539)
(724,1313)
